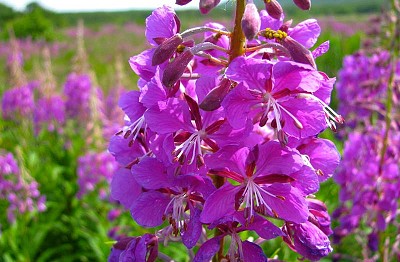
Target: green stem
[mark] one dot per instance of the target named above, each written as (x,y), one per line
(394,47)
(238,39)
(236,49)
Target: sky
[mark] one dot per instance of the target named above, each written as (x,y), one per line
(95,5)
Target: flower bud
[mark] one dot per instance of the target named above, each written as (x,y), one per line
(303,4)
(251,21)
(273,8)
(205,6)
(373,241)
(298,52)
(182,2)
(166,49)
(176,68)
(308,240)
(214,98)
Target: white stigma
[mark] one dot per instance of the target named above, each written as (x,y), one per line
(134,128)
(253,197)
(192,144)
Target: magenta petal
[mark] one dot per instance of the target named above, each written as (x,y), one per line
(321,49)
(264,228)
(293,208)
(275,159)
(123,153)
(252,72)
(220,203)
(306,180)
(311,242)
(151,173)
(237,105)
(323,156)
(192,234)
(308,112)
(129,103)
(230,157)
(269,22)
(141,64)
(149,208)
(162,146)
(204,85)
(306,32)
(153,91)
(253,252)
(124,187)
(324,92)
(291,75)
(169,118)
(161,24)
(208,250)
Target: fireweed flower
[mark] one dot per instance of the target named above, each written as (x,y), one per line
(17,102)
(306,32)
(94,168)
(208,130)
(161,25)
(371,190)
(178,194)
(307,240)
(362,86)
(239,250)
(49,114)
(266,92)
(319,154)
(112,112)
(264,183)
(21,192)
(77,90)
(143,248)
(227,142)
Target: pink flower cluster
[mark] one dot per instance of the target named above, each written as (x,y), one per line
(229,143)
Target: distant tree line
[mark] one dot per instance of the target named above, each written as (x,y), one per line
(39,23)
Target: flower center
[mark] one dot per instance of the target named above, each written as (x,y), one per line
(254,201)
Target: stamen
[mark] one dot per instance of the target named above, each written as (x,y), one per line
(331,114)
(253,200)
(192,143)
(177,218)
(296,121)
(133,129)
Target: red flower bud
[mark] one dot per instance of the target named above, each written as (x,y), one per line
(182,2)
(214,98)
(298,52)
(176,68)
(205,6)
(273,8)
(303,4)
(166,49)
(251,21)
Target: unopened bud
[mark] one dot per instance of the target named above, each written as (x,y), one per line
(176,68)
(213,99)
(273,8)
(251,21)
(166,49)
(206,6)
(286,25)
(182,2)
(303,4)
(298,52)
